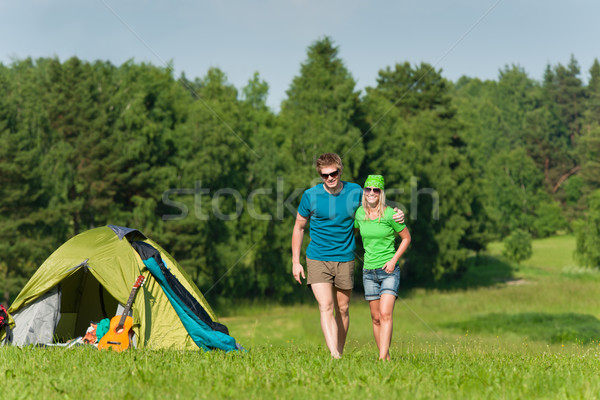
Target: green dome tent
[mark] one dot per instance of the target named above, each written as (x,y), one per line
(87,278)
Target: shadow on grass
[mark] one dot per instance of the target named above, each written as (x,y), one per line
(552,328)
(479,271)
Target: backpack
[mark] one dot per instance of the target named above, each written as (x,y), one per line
(4,324)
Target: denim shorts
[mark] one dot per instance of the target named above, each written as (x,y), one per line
(377,282)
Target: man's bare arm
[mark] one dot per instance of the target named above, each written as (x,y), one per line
(297,238)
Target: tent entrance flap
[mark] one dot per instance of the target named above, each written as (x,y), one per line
(83,301)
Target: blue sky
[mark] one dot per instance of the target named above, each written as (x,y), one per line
(463,37)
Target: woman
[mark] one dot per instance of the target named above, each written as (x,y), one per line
(381,273)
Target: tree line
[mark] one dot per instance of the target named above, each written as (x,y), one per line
(213,175)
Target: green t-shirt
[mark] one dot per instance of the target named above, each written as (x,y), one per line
(377,237)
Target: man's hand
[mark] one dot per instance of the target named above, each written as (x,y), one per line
(297,236)
(298,271)
(399,216)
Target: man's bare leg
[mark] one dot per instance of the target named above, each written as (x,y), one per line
(324,294)
(342,316)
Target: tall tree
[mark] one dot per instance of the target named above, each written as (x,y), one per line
(587,233)
(68,136)
(508,129)
(29,228)
(211,185)
(92,111)
(589,146)
(416,144)
(564,96)
(321,114)
(265,203)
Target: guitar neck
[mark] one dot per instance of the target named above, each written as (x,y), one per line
(127,307)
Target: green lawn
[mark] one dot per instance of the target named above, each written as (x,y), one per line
(505,331)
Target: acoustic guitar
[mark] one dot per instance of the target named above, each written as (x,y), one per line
(118,337)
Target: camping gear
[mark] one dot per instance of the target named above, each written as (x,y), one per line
(89,277)
(5,331)
(90,334)
(119,334)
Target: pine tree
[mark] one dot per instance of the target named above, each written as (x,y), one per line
(321,114)
(589,143)
(29,227)
(564,97)
(262,222)
(416,144)
(587,234)
(211,184)
(508,128)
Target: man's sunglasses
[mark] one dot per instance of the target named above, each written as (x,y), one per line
(371,189)
(333,174)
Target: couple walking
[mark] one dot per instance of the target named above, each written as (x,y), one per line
(337,210)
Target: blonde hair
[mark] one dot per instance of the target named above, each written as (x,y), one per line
(380,207)
(329,160)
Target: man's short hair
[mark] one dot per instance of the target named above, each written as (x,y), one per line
(329,160)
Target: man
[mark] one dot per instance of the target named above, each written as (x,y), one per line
(330,207)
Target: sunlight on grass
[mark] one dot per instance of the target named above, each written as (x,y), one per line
(506,331)
(552,253)
(549,327)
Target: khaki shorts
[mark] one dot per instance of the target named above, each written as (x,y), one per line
(340,274)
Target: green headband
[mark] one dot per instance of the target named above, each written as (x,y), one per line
(375,181)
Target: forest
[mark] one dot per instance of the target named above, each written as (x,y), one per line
(214,176)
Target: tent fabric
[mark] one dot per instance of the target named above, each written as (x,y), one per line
(177,291)
(37,322)
(202,334)
(122,231)
(95,271)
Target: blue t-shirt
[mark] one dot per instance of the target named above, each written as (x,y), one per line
(331,219)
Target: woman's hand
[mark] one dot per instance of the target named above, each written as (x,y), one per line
(389,266)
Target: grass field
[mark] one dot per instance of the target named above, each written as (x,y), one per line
(528,331)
